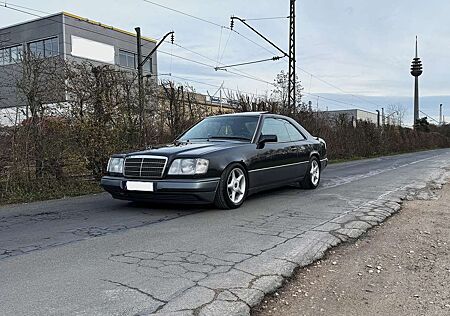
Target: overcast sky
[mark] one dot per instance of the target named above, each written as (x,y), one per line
(363,47)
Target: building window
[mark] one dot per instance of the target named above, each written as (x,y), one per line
(44,48)
(10,55)
(148,66)
(129,60)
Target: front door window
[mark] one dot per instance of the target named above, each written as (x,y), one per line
(276,127)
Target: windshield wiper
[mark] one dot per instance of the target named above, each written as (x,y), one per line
(230,137)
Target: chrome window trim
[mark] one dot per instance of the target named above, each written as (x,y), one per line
(257,128)
(274,167)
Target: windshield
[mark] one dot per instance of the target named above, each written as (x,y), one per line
(223,127)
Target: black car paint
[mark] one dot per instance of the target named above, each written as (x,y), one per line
(268,165)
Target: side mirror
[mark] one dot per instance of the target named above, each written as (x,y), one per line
(267,139)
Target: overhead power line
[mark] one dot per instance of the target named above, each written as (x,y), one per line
(214,61)
(259,45)
(184,13)
(213,67)
(187,59)
(336,87)
(269,18)
(208,22)
(249,63)
(249,76)
(269,83)
(226,45)
(212,85)
(429,116)
(9,6)
(250,93)
(23,9)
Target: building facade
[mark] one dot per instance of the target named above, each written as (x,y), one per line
(71,38)
(353,115)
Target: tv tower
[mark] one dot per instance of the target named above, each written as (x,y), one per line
(416,71)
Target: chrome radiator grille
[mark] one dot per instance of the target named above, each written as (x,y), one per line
(150,167)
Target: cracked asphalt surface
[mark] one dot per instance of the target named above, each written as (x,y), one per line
(376,276)
(93,255)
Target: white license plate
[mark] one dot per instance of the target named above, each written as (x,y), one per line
(140,186)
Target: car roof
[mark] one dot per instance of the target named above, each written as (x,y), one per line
(242,114)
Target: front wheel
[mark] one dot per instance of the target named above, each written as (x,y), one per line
(312,177)
(233,187)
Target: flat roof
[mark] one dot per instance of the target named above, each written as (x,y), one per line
(79,18)
(106,26)
(331,111)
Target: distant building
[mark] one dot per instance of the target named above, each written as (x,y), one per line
(353,115)
(72,38)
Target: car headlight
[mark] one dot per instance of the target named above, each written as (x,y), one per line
(115,165)
(189,166)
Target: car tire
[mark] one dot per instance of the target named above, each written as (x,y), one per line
(234,179)
(312,176)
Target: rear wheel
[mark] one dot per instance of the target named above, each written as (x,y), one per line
(312,177)
(233,187)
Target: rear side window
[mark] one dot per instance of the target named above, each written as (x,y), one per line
(294,133)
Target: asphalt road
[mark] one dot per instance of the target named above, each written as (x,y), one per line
(93,255)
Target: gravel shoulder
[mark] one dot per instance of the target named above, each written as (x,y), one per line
(401,267)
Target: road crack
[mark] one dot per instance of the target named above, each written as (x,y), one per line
(135,289)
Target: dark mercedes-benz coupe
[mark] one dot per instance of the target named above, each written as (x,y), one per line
(221,160)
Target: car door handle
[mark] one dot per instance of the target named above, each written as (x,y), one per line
(293,148)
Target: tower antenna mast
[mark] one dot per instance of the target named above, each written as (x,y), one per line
(416,71)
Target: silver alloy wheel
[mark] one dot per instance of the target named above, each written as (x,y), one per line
(315,172)
(236,185)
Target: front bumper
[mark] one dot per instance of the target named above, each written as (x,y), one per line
(195,191)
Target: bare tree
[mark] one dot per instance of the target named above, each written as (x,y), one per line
(39,84)
(180,107)
(104,111)
(396,111)
(280,93)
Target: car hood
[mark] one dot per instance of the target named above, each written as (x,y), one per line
(189,149)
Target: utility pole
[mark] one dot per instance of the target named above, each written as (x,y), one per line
(378,118)
(220,96)
(140,80)
(140,66)
(291,55)
(383,119)
(292,77)
(440,115)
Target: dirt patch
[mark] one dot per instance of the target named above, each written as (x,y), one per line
(401,267)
